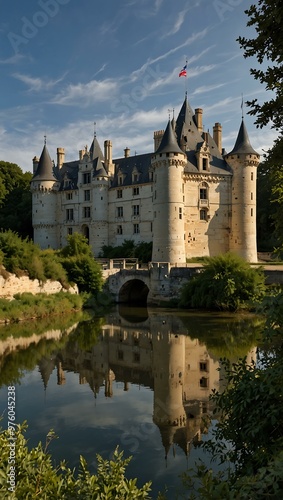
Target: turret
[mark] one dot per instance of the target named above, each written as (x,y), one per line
(44,187)
(168,164)
(243,160)
(100,185)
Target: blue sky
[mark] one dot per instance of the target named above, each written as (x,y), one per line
(72,67)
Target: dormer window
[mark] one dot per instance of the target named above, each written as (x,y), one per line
(135,176)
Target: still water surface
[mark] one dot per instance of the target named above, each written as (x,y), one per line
(136,378)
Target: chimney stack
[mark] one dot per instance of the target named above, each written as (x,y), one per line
(35,162)
(198,115)
(217,135)
(60,157)
(127,152)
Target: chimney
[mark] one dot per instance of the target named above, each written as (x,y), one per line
(127,152)
(35,162)
(198,115)
(60,157)
(109,165)
(217,135)
(81,154)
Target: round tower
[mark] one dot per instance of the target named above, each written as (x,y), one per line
(168,371)
(100,186)
(168,164)
(243,160)
(44,188)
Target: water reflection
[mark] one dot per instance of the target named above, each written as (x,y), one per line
(155,368)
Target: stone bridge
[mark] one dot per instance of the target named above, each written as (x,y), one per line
(159,282)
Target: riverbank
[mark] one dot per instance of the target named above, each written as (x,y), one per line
(27,306)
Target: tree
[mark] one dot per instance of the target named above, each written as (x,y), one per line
(15,199)
(82,269)
(267,19)
(226,282)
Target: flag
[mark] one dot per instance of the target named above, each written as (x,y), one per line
(183,72)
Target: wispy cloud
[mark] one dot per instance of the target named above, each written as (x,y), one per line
(84,94)
(15,59)
(207,88)
(179,21)
(194,37)
(37,84)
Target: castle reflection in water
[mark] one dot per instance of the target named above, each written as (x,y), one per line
(157,353)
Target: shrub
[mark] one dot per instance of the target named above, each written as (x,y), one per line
(227,282)
(36,477)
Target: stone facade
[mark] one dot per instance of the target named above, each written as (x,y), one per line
(188,197)
(11,285)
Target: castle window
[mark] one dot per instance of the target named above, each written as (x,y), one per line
(120,180)
(70,231)
(203,214)
(119,229)
(87,195)
(86,178)
(119,211)
(180,213)
(119,193)
(252,196)
(203,382)
(204,163)
(136,357)
(70,214)
(252,212)
(252,176)
(86,212)
(203,366)
(203,193)
(69,196)
(136,210)
(136,191)
(136,228)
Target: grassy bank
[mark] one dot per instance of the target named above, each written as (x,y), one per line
(28,306)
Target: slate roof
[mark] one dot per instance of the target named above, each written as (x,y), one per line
(169,142)
(45,168)
(242,144)
(126,166)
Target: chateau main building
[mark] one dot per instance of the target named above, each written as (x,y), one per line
(189,197)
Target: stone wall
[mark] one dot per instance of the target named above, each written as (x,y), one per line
(12,284)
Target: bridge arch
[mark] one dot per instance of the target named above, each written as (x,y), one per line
(133,291)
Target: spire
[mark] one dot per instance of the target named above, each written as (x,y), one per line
(44,171)
(169,142)
(95,150)
(242,144)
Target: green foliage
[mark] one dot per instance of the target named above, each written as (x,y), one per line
(36,477)
(249,433)
(226,282)
(80,265)
(128,249)
(26,305)
(24,257)
(15,199)
(266,17)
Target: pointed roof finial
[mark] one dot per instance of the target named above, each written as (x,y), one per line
(94,129)
(242,106)
(45,139)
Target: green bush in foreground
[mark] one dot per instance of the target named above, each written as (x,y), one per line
(31,474)
(226,282)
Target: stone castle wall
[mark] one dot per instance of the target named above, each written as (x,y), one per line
(12,284)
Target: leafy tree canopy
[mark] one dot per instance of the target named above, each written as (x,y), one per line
(15,199)
(267,18)
(226,282)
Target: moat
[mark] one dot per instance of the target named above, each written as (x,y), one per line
(136,378)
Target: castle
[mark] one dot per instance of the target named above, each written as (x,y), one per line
(188,197)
